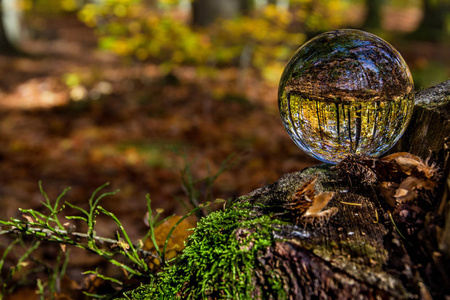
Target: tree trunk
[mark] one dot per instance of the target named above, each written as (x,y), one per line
(247,7)
(373,17)
(362,251)
(430,123)
(205,12)
(435,20)
(10,27)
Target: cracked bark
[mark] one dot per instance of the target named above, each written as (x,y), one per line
(359,253)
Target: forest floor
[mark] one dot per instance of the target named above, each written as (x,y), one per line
(129,126)
(74,116)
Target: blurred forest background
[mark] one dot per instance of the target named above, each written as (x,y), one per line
(159,96)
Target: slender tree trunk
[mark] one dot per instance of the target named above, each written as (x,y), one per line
(10,29)
(373,17)
(205,12)
(247,6)
(435,18)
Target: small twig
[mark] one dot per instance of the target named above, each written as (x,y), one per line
(376,217)
(351,203)
(48,235)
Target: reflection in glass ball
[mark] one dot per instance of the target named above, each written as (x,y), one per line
(346,92)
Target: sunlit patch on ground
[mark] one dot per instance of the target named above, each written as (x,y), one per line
(35,93)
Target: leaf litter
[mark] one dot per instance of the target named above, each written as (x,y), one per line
(126,134)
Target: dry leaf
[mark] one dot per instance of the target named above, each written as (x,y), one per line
(419,176)
(28,218)
(306,207)
(406,162)
(319,202)
(388,190)
(176,240)
(301,200)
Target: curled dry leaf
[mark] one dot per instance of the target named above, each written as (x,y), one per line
(412,165)
(388,190)
(306,207)
(400,176)
(405,162)
(417,175)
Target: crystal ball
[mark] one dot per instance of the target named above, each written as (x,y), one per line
(346,92)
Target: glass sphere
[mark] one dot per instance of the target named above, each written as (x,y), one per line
(346,92)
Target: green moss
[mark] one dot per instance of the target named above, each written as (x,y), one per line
(220,260)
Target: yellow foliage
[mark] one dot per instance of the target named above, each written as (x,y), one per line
(265,35)
(121,47)
(88,15)
(261,40)
(321,15)
(69,5)
(168,3)
(272,13)
(120,10)
(272,72)
(25,4)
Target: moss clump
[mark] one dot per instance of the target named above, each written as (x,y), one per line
(220,260)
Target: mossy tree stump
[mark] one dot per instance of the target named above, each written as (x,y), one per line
(253,250)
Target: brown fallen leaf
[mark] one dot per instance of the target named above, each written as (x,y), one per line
(410,164)
(176,241)
(307,207)
(417,175)
(388,190)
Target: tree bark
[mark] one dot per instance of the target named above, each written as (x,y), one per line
(427,135)
(360,246)
(430,123)
(363,252)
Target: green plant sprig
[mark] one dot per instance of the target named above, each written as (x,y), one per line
(133,258)
(152,224)
(126,247)
(49,228)
(13,270)
(190,183)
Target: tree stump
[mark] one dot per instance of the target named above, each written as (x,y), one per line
(367,250)
(360,252)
